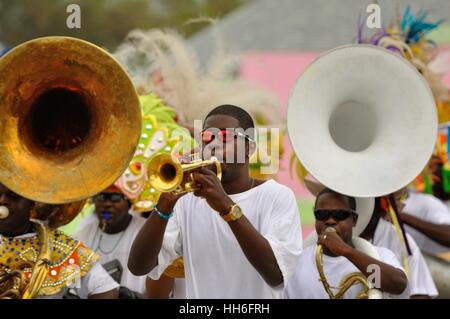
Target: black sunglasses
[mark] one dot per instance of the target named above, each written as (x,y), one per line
(113,197)
(337,214)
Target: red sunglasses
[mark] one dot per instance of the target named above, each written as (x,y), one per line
(225,135)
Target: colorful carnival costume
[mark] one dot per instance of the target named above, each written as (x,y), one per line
(408,37)
(42,264)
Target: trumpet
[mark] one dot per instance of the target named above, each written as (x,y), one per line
(346,283)
(167,174)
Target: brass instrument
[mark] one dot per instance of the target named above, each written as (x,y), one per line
(70,122)
(360,120)
(57,215)
(70,119)
(167,174)
(346,283)
(343,128)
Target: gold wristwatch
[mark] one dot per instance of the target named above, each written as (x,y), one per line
(233,214)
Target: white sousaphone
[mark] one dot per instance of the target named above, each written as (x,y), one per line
(362,121)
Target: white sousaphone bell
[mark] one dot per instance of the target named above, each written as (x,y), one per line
(362,121)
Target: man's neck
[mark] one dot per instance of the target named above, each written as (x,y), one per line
(119,227)
(441,194)
(241,184)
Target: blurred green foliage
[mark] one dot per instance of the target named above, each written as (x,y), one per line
(104,22)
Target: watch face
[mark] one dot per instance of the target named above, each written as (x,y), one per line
(236,212)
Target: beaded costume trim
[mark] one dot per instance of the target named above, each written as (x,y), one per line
(70,259)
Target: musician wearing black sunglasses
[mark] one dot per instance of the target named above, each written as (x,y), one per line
(110,233)
(336,216)
(111,208)
(239,237)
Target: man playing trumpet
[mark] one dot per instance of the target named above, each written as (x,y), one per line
(336,215)
(239,237)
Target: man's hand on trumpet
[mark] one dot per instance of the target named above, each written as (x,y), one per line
(167,201)
(211,189)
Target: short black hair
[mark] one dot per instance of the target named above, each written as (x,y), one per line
(245,120)
(351,200)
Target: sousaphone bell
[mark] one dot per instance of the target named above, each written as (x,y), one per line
(69,120)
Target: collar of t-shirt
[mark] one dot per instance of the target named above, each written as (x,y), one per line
(250,192)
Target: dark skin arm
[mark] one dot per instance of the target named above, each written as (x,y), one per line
(420,297)
(255,247)
(438,233)
(159,289)
(148,242)
(111,294)
(392,281)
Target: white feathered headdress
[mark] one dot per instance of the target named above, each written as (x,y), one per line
(161,61)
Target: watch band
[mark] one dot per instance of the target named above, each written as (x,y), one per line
(230,216)
(227,217)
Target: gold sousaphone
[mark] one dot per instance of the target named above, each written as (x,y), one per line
(70,120)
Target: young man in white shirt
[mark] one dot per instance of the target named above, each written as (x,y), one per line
(110,233)
(382,233)
(427,220)
(340,258)
(239,237)
(428,216)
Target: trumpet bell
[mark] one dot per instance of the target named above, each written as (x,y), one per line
(362,120)
(70,119)
(165,173)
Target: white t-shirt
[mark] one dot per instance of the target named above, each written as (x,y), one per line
(114,246)
(179,289)
(96,281)
(214,263)
(430,209)
(420,280)
(306,284)
(447,203)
